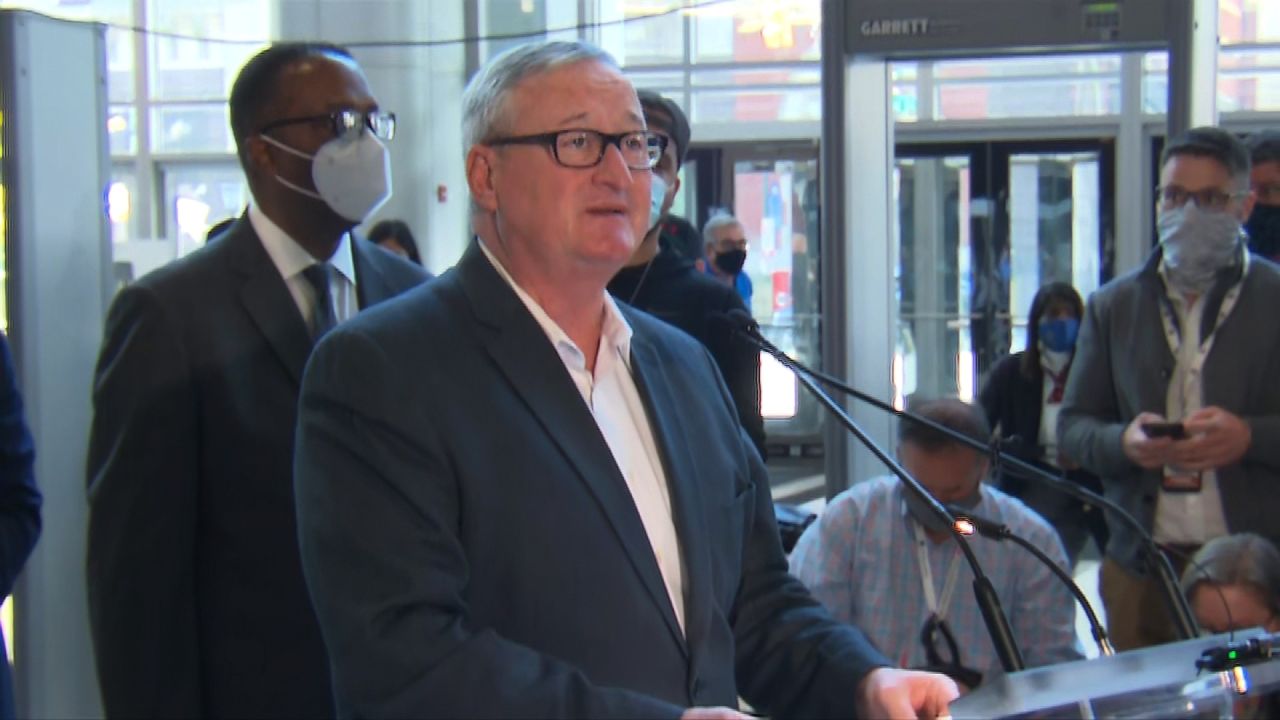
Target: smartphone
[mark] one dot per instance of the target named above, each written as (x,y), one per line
(1173,430)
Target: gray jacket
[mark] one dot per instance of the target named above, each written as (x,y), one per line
(1122,367)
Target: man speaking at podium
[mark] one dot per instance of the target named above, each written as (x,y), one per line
(517,499)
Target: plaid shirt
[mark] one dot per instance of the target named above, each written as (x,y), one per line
(860,561)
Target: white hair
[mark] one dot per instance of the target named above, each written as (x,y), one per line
(485,99)
(717,221)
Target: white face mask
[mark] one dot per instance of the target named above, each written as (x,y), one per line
(657,193)
(352,177)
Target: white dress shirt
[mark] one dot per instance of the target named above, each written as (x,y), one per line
(290,259)
(1196,517)
(611,395)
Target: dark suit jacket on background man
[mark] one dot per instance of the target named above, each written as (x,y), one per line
(197,600)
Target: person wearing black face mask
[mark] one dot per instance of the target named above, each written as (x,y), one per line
(1263,225)
(1022,396)
(659,281)
(878,559)
(193,558)
(726,253)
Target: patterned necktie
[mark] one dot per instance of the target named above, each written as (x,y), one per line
(323,320)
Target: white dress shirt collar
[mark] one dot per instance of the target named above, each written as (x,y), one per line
(615,331)
(289,257)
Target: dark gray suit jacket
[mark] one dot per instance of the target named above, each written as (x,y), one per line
(1122,367)
(473,551)
(197,602)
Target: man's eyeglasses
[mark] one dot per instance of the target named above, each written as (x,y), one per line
(346,123)
(586,148)
(1172,196)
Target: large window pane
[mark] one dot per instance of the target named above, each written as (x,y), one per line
(1248,21)
(1248,79)
(660,80)
(1050,86)
(801,104)
(906,91)
(190,69)
(122,131)
(1054,228)
(933,355)
(747,31)
(198,195)
(1155,83)
(121,199)
(510,23)
(754,77)
(648,34)
(191,128)
(1044,97)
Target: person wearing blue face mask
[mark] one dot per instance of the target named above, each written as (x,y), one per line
(1172,398)
(193,558)
(1022,396)
(665,284)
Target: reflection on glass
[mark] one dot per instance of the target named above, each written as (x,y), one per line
(934,355)
(756,31)
(511,23)
(1248,21)
(191,128)
(800,104)
(1049,96)
(186,68)
(642,33)
(1054,228)
(121,133)
(120,206)
(1248,79)
(197,196)
(777,203)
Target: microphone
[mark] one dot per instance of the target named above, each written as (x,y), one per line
(967,522)
(1183,618)
(740,323)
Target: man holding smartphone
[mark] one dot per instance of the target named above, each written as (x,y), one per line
(1172,398)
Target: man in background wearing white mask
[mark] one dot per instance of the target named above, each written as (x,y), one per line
(198,605)
(662,283)
(1173,397)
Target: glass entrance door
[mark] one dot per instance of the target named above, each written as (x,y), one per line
(775,195)
(981,227)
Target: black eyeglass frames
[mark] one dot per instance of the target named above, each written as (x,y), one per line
(346,123)
(585,148)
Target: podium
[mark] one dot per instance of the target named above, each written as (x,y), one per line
(1156,682)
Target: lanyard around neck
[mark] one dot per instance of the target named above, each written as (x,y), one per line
(1173,333)
(937,605)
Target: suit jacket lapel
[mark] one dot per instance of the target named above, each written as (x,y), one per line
(267,299)
(671,438)
(536,373)
(372,286)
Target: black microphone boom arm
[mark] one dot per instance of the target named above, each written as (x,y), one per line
(988,603)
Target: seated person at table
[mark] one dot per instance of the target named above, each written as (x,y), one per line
(881,561)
